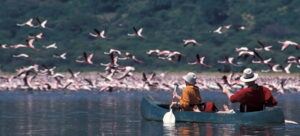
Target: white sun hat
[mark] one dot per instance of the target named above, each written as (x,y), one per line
(190,78)
(248,75)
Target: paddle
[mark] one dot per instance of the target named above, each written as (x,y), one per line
(169,117)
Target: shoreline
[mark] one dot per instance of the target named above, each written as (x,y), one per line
(99,81)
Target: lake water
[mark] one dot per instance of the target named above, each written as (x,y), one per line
(118,113)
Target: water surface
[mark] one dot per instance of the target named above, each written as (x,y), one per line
(118,113)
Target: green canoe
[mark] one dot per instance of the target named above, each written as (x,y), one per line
(152,110)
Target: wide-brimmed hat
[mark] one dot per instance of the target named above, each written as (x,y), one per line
(248,75)
(190,78)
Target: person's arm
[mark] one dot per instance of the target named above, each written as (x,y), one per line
(176,95)
(227,92)
(269,99)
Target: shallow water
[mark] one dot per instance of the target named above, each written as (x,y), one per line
(118,113)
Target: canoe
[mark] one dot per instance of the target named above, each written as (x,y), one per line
(153,110)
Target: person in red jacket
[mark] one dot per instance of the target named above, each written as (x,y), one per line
(254,97)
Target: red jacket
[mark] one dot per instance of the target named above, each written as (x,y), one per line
(253,100)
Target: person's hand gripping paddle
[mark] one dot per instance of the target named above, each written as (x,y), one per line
(169,117)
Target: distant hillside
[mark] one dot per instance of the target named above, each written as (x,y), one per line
(165,24)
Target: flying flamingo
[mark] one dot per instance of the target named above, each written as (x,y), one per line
(150,52)
(74,75)
(137,33)
(228,60)
(218,30)
(41,24)
(22,55)
(241,49)
(38,36)
(4,46)
(87,59)
(293,59)
(62,56)
(175,54)
(263,47)
(99,34)
(132,57)
(267,61)
(199,61)
(53,45)
(113,51)
(29,44)
(285,44)
(190,41)
(27,23)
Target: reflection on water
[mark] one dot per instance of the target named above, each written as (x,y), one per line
(91,114)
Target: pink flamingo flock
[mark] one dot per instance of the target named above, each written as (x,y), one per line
(118,77)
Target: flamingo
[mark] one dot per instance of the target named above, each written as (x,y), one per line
(87,59)
(4,46)
(41,24)
(218,30)
(199,60)
(127,72)
(228,60)
(241,49)
(53,45)
(29,44)
(293,59)
(22,55)
(263,47)
(137,33)
(74,75)
(38,36)
(99,34)
(132,57)
(27,23)
(266,61)
(285,44)
(190,41)
(249,52)
(150,52)
(113,51)
(175,54)
(62,56)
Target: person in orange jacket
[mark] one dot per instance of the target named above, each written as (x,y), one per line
(190,95)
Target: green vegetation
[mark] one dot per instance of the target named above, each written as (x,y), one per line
(166,23)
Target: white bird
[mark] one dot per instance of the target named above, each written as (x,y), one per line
(113,51)
(199,60)
(4,46)
(218,30)
(285,44)
(99,34)
(137,33)
(190,41)
(29,44)
(241,49)
(87,59)
(262,61)
(150,52)
(41,24)
(53,45)
(27,23)
(38,36)
(21,55)
(62,56)
(263,47)
(228,60)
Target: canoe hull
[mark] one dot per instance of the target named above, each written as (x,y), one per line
(151,111)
